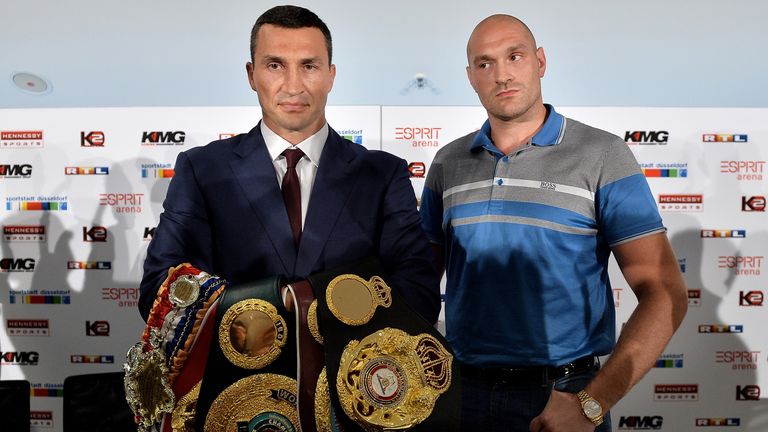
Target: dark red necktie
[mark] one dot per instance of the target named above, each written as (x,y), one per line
(292,192)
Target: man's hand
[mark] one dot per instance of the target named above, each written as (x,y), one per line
(562,414)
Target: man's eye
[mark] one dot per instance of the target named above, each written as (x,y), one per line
(273,66)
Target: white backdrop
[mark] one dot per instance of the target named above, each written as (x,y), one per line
(78,212)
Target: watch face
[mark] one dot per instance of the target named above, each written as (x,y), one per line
(592,408)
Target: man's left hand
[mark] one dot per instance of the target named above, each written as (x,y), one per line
(562,414)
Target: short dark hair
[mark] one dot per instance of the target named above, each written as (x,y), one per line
(292,17)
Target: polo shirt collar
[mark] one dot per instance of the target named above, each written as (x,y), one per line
(551,132)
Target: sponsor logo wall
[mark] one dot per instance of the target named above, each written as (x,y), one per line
(83,190)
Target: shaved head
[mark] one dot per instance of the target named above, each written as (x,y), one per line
(498,19)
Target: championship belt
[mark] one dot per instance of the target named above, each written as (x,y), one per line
(352,357)
(164,367)
(386,367)
(250,377)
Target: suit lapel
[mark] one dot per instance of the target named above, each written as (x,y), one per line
(256,175)
(333,184)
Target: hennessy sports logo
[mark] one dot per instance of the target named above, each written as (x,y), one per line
(16,171)
(21,139)
(24,233)
(163,138)
(92,139)
(27,327)
(676,392)
(41,419)
(681,202)
(694,297)
(646,137)
(724,138)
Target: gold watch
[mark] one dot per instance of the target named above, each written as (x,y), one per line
(590,407)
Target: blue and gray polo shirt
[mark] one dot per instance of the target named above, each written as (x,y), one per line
(527,238)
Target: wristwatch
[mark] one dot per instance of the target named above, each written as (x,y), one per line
(590,407)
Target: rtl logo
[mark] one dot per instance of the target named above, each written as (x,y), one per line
(417,169)
(748,392)
(97,328)
(89,265)
(163,138)
(753,203)
(724,138)
(715,328)
(646,137)
(92,139)
(723,233)
(16,171)
(640,423)
(8,265)
(731,421)
(84,358)
(86,170)
(95,234)
(751,298)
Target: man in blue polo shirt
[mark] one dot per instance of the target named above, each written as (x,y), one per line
(523,216)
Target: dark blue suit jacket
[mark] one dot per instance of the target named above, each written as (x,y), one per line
(224,213)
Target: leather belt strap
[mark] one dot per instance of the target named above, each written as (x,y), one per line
(310,360)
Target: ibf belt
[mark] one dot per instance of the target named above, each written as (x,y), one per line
(386,367)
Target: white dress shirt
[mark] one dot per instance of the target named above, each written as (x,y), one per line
(306,168)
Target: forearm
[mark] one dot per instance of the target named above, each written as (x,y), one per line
(641,342)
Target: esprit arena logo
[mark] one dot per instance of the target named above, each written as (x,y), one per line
(24,233)
(122,297)
(738,360)
(14,171)
(741,265)
(743,170)
(419,136)
(21,139)
(39,203)
(122,202)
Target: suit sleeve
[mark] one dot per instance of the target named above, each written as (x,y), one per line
(182,235)
(404,249)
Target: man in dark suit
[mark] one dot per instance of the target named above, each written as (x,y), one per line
(291,197)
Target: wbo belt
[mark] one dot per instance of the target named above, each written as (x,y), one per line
(530,374)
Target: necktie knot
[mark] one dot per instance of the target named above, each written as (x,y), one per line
(292,156)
